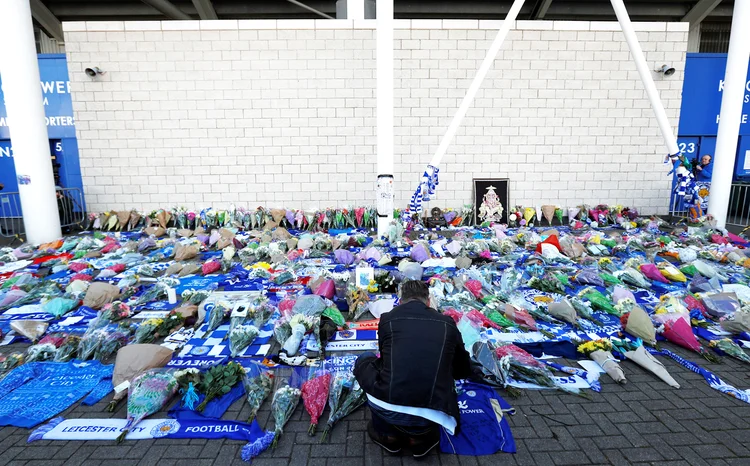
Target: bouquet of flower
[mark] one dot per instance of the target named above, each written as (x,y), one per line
(601,351)
(285,400)
(598,301)
(731,348)
(115,311)
(9,363)
(257,389)
(68,349)
(344,397)
(260,312)
(218,380)
(112,343)
(520,365)
(241,337)
(187,381)
(639,324)
(40,352)
(549,284)
(635,352)
(315,394)
(358,302)
(147,331)
(91,340)
(218,314)
(633,277)
(196,297)
(149,393)
(584,310)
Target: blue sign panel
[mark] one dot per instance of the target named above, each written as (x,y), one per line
(58,106)
(701,95)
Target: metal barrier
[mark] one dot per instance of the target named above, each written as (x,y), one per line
(738,213)
(69,206)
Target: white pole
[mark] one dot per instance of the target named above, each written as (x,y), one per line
(28,130)
(648,81)
(355,9)
(384,59)
(484,68)
(735,78)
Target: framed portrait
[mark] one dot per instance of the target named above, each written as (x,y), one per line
(491,200)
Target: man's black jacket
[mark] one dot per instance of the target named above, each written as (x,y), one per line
(421,354)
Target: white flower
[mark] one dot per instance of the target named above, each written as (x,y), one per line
(513,217)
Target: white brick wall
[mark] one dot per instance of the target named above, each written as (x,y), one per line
(282,113)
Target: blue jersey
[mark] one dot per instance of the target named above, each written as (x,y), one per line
(483,428)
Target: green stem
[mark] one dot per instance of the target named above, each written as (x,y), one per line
(121,437)
(311,430)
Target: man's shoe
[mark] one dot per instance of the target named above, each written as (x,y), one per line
(422,445)
(392,445)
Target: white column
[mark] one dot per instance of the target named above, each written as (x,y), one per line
(384,59)
(28,130)
(735,78)
(355,9)
(648,81)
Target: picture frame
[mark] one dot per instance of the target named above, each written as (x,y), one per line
(502,190)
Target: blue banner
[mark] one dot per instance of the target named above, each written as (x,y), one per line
(702,90)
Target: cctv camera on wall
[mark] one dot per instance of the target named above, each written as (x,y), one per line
(667,70)
(93,72)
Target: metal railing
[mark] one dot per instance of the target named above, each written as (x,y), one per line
(738,214)
(69,206)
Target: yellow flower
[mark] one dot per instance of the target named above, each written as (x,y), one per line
(261,265)
(372,287)
(542,299)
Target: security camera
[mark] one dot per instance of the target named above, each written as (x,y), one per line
(667,70)
(93,72)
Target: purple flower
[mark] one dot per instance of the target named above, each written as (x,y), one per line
(343,256)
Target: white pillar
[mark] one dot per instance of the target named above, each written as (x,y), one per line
(648,81)
(28,131)
(735,78)
(384,60)
(355,9)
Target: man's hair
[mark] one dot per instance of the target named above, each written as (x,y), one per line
(412,290)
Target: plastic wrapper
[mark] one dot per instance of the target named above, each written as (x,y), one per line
(344,397)
(589,277)
(563,311)
(644,359)
(699,284)
(111,344)
(286,397)
(619,293)
(670,308)
(41,352)
(241,337)
(218,315)
(90,342)
(132,360)
(610,365)
(31,329)
(148,393)
(633,277)
(469,333)
(100,293)
(68,349)
(520,317)
(737,323)
(57,307)
(309,305)
(291,345)
(705,269)
(721,304)
(652,272)
(258,385)
(146,331)
(638,324)
(672,273)
(315,393)
(731,348)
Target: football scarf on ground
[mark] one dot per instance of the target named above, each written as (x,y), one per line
(216,345)
(348,340)
(484,427)
(109,429)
